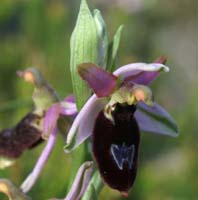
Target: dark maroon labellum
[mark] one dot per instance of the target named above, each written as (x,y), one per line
(115,147)
(15,140)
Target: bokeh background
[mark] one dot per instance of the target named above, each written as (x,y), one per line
(37,33)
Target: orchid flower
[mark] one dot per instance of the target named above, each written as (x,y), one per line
(38,125)
(114,116)
(50,127)
(26,134)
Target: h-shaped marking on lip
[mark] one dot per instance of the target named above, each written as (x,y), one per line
(122,154)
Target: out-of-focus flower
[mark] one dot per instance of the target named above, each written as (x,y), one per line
(28,132)
(42,123)
(50,129)
(121,107)
(67,107)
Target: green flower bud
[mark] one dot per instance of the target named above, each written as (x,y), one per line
(113,49)
(84,48)
(103,39)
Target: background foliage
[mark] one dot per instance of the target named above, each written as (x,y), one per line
(36,33)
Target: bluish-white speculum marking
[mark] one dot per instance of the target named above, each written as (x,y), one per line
(123,154)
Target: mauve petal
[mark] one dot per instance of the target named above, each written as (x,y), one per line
(50,119)
(102,82)
(140,73)
(83,124)
(81,181)
(155,119)
(34,175)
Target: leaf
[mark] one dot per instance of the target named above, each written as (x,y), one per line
(84,48)
(113,49)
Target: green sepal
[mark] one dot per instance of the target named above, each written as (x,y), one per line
(103,38)
(43,95)
(5,162)
(113,49)
(84,48)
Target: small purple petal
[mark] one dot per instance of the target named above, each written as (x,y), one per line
(70,98)
(81,181)
(83,124)
(34,175)
(140,73)
(68,108)
(102,82)
(161,59)
(155,119)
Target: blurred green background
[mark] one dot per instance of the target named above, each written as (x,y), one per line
(37,32)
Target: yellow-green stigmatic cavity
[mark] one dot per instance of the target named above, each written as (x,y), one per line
(127,96)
